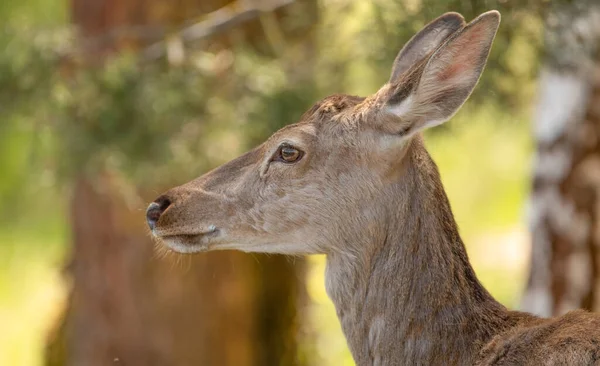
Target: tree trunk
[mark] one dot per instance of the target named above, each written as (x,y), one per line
(128,307)
(565,199)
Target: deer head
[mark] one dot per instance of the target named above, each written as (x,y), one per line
(319,185)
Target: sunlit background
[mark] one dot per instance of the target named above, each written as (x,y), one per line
(129,98)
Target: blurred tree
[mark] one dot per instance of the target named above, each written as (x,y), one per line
(127,307)
(565,198)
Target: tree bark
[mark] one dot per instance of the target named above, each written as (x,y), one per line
(565,198)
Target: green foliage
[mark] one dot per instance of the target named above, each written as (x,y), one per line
(26,75)
(136,117)
(124,115)
(40,12)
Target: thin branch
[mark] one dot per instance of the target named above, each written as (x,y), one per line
(214,23)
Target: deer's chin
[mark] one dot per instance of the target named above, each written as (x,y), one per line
(189,243)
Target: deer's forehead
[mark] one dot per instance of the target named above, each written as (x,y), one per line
(313,133)
(301,133)
(325,111)
(338,102)
(328,120)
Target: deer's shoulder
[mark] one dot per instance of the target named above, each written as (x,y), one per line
(570,339)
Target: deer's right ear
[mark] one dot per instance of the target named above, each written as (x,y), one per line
(426,41)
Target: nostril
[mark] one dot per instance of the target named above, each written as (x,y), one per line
(153,214)
(163,203)
(156,209)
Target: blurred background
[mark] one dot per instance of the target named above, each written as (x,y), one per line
(104,104)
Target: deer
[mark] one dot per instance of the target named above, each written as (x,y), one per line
(352,179)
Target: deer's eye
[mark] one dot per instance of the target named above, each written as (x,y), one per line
(288,154)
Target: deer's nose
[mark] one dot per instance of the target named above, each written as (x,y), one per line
(156,209)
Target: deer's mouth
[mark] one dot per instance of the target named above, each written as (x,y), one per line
(190,243)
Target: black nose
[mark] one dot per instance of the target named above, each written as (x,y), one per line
(156,209)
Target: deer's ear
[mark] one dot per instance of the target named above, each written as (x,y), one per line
(423,43)
(434,90)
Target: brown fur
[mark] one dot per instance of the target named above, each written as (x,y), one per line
(367,194)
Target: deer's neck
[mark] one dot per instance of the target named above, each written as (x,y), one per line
(408,295)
